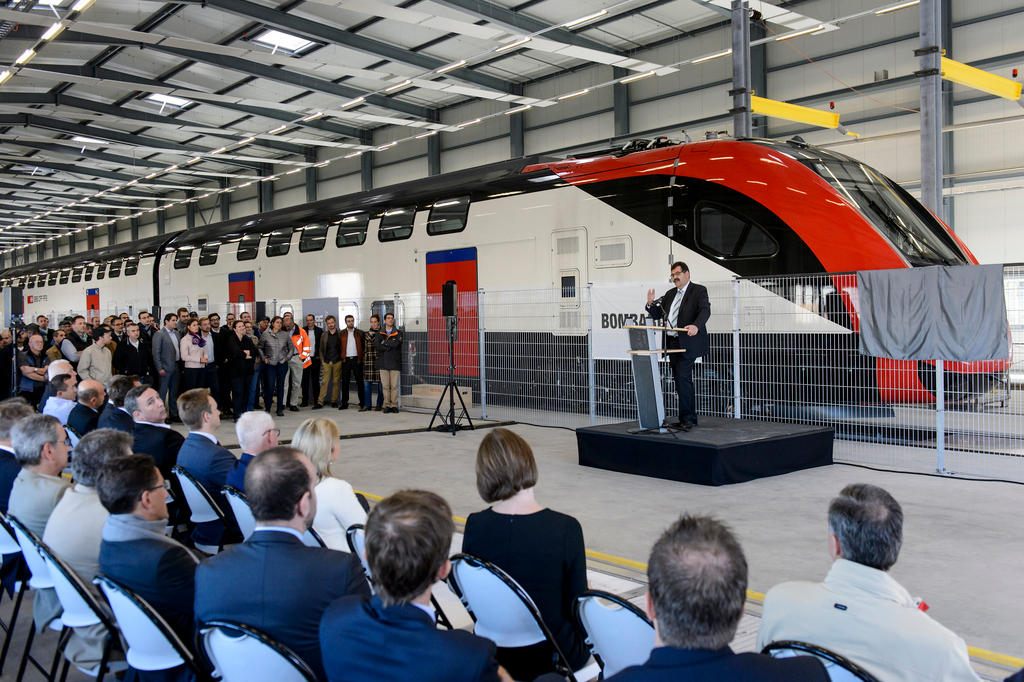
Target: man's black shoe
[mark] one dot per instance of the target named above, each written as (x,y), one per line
(292,408)
(363,409)
(342,407)
(304,403)
(318,406)
(280,413)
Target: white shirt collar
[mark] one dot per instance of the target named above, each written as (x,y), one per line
(281,529)
(429,610)
(162,426)
(125,411)
(212,438)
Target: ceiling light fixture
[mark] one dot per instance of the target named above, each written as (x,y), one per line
(313,117)
(514,44)
(574,94)
(278,129)
(904,5)
(352,103)
(715,55)
(25,57)
(87,140)
(398,86)
(5,75)
(582,20)
(636,77)
(82,5)
(806,31)
(518,110)
(422,135)
(389,145)
(454,65)
(52,32)
(353,154)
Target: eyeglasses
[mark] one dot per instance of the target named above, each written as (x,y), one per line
(276,432)
(166,485)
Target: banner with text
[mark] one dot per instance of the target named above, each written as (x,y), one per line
(612,307)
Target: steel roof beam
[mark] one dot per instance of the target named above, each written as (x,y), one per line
(66,150)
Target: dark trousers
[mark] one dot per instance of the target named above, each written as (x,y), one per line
(311,382)
(351,369)
(221,386)
(169,391)
(682,372)
(274,379)
(240,392)
(212,382)
(195,377)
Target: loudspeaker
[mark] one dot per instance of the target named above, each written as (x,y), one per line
(14,301)
(449,296)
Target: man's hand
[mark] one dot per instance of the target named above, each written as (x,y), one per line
(163,372)
(691,329)
(650,296)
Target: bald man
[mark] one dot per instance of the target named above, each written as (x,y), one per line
(86,414)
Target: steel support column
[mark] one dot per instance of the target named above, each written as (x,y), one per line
(741,123)
(134,222)
(224,200)
(759,75)
(161,222)
(265,192)
(948,159)
(90,239)
(620,103)
(311,175)
(366,170)
(516,136)
(930,75)
(190,211)
(434,155)
(71,243)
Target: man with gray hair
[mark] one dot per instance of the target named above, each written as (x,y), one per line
(859,611)
(256,432)
(696,592)
(75,530)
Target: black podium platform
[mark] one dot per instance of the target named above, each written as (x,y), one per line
(718,452)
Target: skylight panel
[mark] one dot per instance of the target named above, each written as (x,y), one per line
(279,40)
(163,100)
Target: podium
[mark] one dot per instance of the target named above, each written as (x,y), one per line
(643,354)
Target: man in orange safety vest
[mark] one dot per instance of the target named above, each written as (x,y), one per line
(297,362)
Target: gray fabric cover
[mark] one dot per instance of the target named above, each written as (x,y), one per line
(955,313)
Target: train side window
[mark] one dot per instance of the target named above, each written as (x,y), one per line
(88,273)
(352,230)
(30,283)
(208,254)
(448,215)
(396,224)
(52,279)
(725,234)
(115,269)
(568,286)
(65,275)
(183,258)
(131,266)
(248,247)
(312,237)
(76,275)
(101,271)
(280,242)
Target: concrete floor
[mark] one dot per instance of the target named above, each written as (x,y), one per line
(962,542)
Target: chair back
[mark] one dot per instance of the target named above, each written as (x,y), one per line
(152,643)
(241,509)
(356,537)
(240,653)
(80,605)
(8,543)
(312,539)
(618,633)
(28,542)
(200,502)
(840,668)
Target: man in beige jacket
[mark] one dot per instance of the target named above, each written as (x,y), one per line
(96,360)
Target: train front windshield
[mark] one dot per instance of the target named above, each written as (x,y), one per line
(917,235)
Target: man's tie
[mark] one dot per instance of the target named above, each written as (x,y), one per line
(673,313)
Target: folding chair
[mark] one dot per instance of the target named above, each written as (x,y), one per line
(241,509)
(201,504)
(40,580)
(840,668)
(312,539)
(152,643)
(502,610)
(619,634)
(240,653)
(9,547)
(81,608)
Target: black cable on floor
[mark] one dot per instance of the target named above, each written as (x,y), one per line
(924,473)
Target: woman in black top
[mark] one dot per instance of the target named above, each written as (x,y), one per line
(540,548)
(239,354)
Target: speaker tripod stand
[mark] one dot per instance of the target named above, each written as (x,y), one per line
(449,420)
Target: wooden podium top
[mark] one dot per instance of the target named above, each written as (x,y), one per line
(649,326)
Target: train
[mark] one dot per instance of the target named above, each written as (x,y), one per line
(771,212)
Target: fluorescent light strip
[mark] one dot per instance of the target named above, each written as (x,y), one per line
(277,130)
(716,55)
(635,78)
(468,123)
(517,43)
(398,86)
(352,103)
(352,155)
(450,67)
(806,31)
(389,145)
(895,8)
(25,57)
(52,32)
(519,110)
(82,5)
(313,117)
(582,20)
(581,92)
(5,75)
(422,135)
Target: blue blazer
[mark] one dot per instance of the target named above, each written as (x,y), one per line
(83,419)
(161,573)
(115,418)
(278,585)
(209,463)
(236,477)
(668,664)
(9,469)
(365,641)
(159,443)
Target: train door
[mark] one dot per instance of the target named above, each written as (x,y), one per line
(569,275)
(459,265)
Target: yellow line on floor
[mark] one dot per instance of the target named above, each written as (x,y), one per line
(992,657)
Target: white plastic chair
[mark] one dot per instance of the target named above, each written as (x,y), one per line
(355,535)
(839,668)
(312,539)
(241,509)
(152,643)
(240,653)
(504,613)
(619,634)
(201,504)
(9,547)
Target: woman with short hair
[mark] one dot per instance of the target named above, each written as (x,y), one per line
(195,355)
(540,548)
(337,507)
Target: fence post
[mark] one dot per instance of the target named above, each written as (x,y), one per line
(940,418)
(591,368)
(736,348)
(405,347)
(482,343)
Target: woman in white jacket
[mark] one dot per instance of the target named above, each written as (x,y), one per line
(336,505)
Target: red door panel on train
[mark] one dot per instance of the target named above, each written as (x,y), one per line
(458,265)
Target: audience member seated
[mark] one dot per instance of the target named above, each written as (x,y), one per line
(203,457)
(860,611)
(696,591)
(12,411)
(540,548)
(336,505)
(152,435)
(65,390)
(394,635)
(41,446)
(135,550)
(53,369)
(114,414)
(75,529)
(256,433)
(273,582)
(85,416)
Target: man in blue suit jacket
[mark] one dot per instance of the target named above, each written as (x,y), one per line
(86,414)
(206,459)
(697,586)
(114,414)
(256,433)
(273,581)
(394,636)
(153,436)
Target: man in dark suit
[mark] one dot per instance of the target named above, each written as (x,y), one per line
(697,588)
(394,636)
(12,411)
(166,355)
(684,307)
(114,415)
(152,435)
(311,374)
(203,457)
(273,582)
(86,414)
(133,356)
(134,551)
